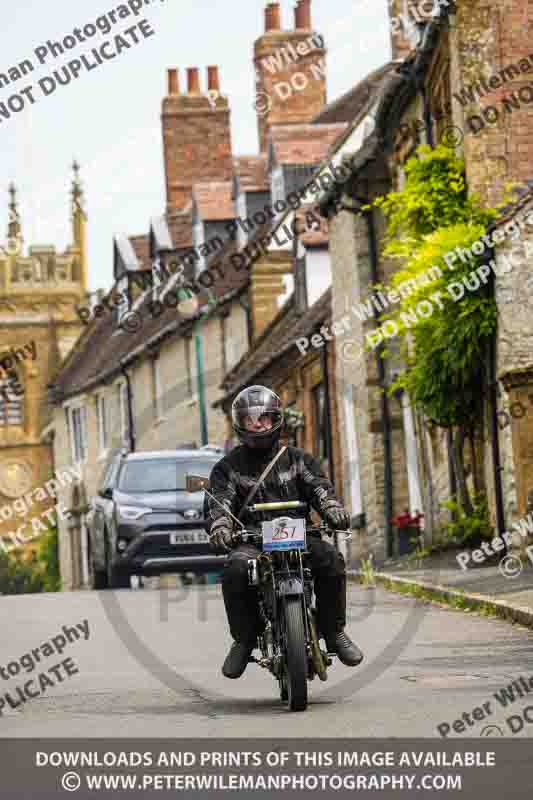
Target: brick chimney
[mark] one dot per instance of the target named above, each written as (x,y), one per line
(290,68)
(196,136)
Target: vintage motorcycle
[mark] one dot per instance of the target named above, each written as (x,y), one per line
(289,645)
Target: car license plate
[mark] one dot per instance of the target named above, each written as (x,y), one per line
(188,537)
(284,533)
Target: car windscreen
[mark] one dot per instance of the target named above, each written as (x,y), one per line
(161,475)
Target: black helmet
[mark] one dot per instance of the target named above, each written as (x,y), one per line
(255,402)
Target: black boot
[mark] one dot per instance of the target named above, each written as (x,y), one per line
(347,651)
(237,660)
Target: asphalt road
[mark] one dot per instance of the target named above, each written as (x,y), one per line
(151,667)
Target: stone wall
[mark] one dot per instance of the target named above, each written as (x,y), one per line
(514,290)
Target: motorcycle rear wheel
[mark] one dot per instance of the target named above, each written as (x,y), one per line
(295,655)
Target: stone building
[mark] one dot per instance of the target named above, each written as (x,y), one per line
(147,371)
(39,288)
(445,72)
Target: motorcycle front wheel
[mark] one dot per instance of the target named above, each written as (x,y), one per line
(295,654)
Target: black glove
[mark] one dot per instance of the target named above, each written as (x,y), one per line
(337,517)
(220,535)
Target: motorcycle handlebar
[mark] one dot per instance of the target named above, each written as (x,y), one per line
(279,506)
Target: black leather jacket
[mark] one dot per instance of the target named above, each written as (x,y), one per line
(295,476)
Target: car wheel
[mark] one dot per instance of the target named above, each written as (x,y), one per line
(116,578)
(97,577)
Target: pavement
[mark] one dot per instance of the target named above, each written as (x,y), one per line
(151,668)
(506,587)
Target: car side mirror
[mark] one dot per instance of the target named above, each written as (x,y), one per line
(107,493)
(196,483)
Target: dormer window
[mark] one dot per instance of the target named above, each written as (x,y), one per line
(122,290)
(277,185)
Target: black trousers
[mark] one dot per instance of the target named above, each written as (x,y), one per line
(241,601)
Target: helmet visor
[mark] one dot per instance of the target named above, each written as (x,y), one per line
(257,420)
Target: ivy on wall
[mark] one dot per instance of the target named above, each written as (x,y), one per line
(442,354)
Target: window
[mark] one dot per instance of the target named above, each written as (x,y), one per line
(11,399)
(198,241)
(101,423)
(78,433)
(161,475)
(124,415)
(156,388)
(319,411)
(277,185)
(242,236)
(123,308)
(229,356)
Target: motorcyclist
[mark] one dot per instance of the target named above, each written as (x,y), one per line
(257,418)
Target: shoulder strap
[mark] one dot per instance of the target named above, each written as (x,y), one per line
(251,494)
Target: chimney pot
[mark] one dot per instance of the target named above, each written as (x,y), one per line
(173,82)
(272,17)
(268,19)
(213,80)
(193,80)
(302,14)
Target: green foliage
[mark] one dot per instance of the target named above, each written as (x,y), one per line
(467,530)
(463,530)
(38,572)
(431,216)
(434,196)
(294,418)
(366,571)
(19,575)
(49,559)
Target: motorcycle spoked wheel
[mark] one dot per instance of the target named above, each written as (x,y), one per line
(283,691)
(295,661)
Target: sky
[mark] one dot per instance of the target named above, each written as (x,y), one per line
(109,118)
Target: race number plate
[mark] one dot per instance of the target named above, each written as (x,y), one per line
(284,533)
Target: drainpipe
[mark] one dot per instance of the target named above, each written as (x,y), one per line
(426,112)
(495,443)
(493,410)
(385,410)
(327,424)
(198,343)
(452,480)
(130,407)
(327,416)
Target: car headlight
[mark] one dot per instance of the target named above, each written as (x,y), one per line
(133,512)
